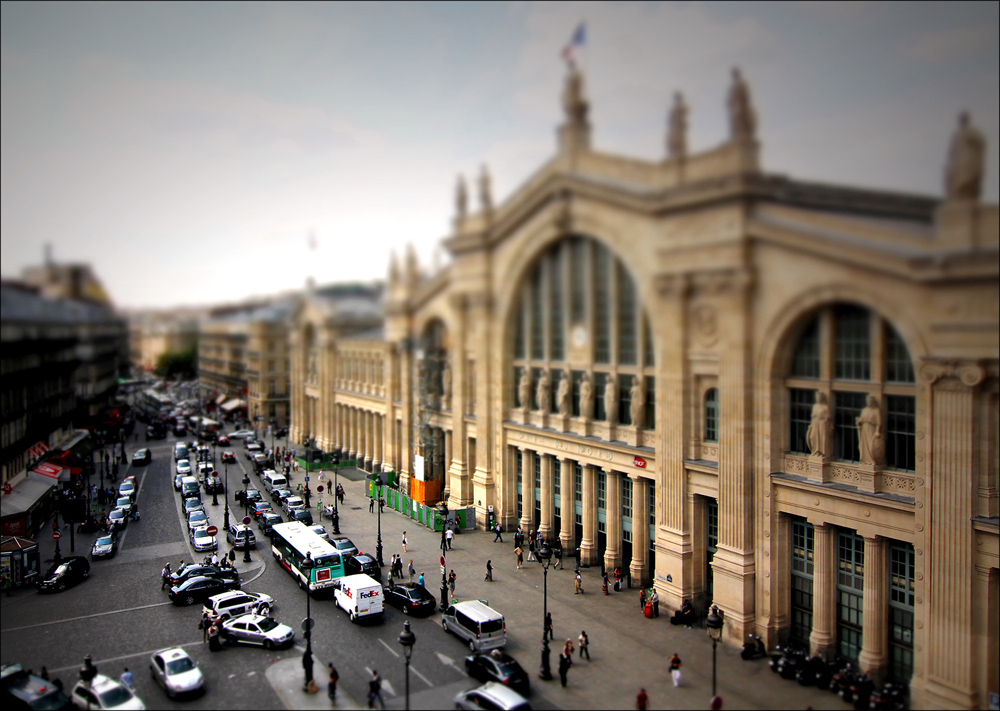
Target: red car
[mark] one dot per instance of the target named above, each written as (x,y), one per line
(229,456)
(223,440)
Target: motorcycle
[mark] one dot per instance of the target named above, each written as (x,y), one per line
(861,692)
(789,662)
(843,678)
(753,647)
(811,671)
(891,697)
(858,685)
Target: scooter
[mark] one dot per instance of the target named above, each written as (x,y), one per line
(811,671)
(891,697)
(789,662)
(753,647)
(843,678)
(859,692)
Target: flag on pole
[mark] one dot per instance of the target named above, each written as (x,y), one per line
(577,43)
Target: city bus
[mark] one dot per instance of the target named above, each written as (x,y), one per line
(290,542)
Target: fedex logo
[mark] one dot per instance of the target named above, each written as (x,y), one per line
(370,593)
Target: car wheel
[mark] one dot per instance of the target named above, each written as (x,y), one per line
(444,625)
(189,600)
(354,617)
(406,609)
(62,586)
(472,646)
(268,645)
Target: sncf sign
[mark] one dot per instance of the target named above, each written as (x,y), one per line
(640,462)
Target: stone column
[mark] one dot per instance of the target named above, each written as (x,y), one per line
(548,494)
(568,519)
(352,430)
(823,637)
(527,487)
(638,568)
(369,439)
(588,544)
(874,640)
(380,443)
(613,554)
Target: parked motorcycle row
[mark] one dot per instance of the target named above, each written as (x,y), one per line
(839,677)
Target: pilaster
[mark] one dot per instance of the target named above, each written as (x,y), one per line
(874,653)
(823,638)
(588,544)
(613,553)
(568,518)
(640,530)
(548,496)
(527,488)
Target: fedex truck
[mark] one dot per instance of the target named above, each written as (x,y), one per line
(359,596)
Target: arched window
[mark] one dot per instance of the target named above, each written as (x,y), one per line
(712,415)
(847,352)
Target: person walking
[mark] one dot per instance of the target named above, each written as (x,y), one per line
(519,554)
(489,571)
(578,579)
(375,690)
(448,536)
(165,577)
(498,529)
(205,625)
(451,582)
(565,662)
(128,679)
(413,571)
(584,644)
(548,627)
(420,580)
(404,542)
(604,585)
(675,669)
(568,648)
(331,686)
(371,506)
(642,700)
(531,545)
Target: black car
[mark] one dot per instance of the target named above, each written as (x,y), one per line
(362,563)
(259,509)
(142,456)
(411,598)
(182,575)
(267,520)
(303,515)
(32,691)
(500,667)
(68,572)
(199,589)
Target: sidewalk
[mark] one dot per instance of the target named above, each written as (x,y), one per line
(285,677)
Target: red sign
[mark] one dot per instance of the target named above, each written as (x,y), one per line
(640,462)
(7,488)
(319,489)
(211,530)
(56,535)
(246,520)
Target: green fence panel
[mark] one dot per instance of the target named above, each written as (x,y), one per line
(462,516)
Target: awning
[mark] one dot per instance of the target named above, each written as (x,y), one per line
(221,399)
(50,472)
(16,543)
(24,497)
(232,405)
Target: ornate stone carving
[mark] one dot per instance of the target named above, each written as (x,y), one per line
(969,373)
(820,432)
(963,175)
(844,475)
(637,406)
(710,451)
(446,385)
(524,389)
(677,129)
(871,444)
(902,484)
(562,394)
(461,199)
(586,397)
(796,464)
(706,323)
(544,393)
(611,400)
(742,117)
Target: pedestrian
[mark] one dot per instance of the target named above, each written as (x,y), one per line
(165,577)
(404,542)
(579,582)
(604,585)
(215,558)
(375,690)
(381,504)
(642,599)
(204,625)
(498,530)
(45,674)
(584,644)
(371,504)
(568,648)
(489,571)
(654,597)
(331,687)
(565,662)
(420,580)
(675,669)
(557,553)
(548,627)
(214,643)
(531,545)
(517,538)
(642,700)
(519,554)
(413,571)
(128,679)
(448,536)
(451,582)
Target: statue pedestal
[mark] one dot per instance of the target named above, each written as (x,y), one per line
(561,422)
(633,436)
(525,416)
(819,469)
(543,420)
(871,478)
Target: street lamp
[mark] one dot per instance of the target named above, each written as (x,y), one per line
(246,513)
(215,489)
(443,510)
(544,555)
(336,491)
(714,624)
(307,624)
(407,639)
(225,494)
(378,543)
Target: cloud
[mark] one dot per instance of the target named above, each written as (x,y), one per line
(948,43)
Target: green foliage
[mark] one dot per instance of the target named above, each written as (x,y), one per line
(178,364)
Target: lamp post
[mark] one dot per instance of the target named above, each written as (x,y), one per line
(714,624)
(544,554)
(336,491)
(224,496)
(215,489)
(307,624)
(378,542)
(443,510)
(246,512)
(407,639)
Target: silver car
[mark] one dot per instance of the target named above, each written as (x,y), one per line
(176,672)
(197,519)
(257,629)
(202,541)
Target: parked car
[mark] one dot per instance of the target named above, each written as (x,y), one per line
(236,602)
(229,456)
(193,505)
(501,667)
(184,467)
(196,570)
(241,434)
(267,520)
(118,520)
(105,547)
(253,448)
(104,693)
(213,484)
(361,563)
(303,515)
(175,671)
(257,629)
(492,695)
(280,495)
(199,589)
(344,545)
(410,598)
(178,480)
(68,571)
(240,536)
(202,541)
(32,691)
(321,532)
(128,488)
(142,456)
(196,519)
(124,503)
(259,508)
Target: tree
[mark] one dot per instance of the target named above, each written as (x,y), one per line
(178,364)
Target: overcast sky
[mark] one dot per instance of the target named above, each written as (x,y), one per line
(187,150)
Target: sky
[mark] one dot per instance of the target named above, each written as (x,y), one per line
(187,151)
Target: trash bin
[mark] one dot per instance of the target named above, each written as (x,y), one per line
(649,610)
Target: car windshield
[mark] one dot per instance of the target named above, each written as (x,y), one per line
(104,541)
(61,570)
(343,544)
(179,666)
(117,513)
(267,624)
(123,501)
(115,696)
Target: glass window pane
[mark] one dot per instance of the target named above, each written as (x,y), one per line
(650,402)
(712,415)
(537,315)
(625,399)
(575,397)
(519,334)
(852,360)
(600,380)
(627,335)
(846,408)
(900,432)
(800,404)
(602,490)
(898,365)
(580,280)
(602,304)
(805,363)
(626,496)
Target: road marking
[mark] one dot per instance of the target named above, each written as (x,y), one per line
(426,680)
(147,653)
(385,683)
(84,617)
(392,651)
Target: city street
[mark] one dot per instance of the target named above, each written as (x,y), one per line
(119,616)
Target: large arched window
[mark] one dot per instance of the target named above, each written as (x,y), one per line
(579,312)
(847,353)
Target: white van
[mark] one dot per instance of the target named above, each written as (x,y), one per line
(360,596)
(477,623)
(273,480)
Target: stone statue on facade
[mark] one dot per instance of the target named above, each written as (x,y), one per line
(820,432)
(871,445)
(446,386)
(677,129)
(964,171)
(637,406)
(461,199)
(586,397)
(312,364)
(524,389)
(611,400)
(544,393)
(742,117)
(562,394)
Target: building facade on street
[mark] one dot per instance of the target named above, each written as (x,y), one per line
(150,337)
(773,395)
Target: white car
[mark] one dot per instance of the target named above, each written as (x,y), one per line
(257,629)
(236,602)
(242,434)
(202,541)
(196,519)
(176,672)
(127,489)
(321,532)
(184,467)
(105,693)
(293,503)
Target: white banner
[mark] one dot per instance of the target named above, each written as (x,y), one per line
(418,467)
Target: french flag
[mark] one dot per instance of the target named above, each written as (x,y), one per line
(578,42)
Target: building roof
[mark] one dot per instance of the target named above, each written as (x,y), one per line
(19,304)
